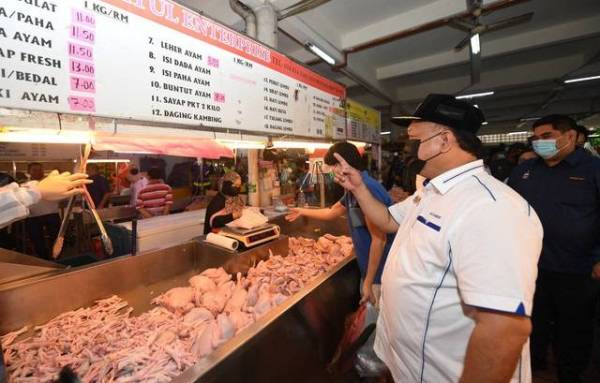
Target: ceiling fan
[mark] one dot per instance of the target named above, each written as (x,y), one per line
(474,28)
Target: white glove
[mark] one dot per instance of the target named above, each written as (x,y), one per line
(57,186)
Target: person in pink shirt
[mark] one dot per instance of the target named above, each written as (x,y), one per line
(156,198)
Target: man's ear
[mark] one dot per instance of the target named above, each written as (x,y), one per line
(447,141)
(572,135)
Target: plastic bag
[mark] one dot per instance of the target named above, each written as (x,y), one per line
(250,219)
(356,332)
(367,364)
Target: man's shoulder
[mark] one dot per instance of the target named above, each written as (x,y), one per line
(520,170)
(375,187)
(487,192)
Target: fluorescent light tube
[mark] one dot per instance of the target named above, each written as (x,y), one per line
(515,133)
(321,53)
(44,136)
(301,145)
(475,45)
(582,79)
(107,161)
(385,133)
(475,95)
(358,144)
(242,144)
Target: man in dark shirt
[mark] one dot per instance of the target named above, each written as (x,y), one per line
(563,186)
(100,189)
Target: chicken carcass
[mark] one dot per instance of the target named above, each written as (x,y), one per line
(202,283)
(202,344)
(198,314)
(178,300)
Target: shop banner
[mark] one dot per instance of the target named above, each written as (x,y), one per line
(362,122)
(155,60)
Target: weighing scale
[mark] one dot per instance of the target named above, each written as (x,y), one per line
(252,237)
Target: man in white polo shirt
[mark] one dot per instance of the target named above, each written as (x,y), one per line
(458,283)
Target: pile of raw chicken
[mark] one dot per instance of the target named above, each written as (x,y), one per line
(104,343)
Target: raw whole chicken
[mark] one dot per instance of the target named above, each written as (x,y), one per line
(202,283)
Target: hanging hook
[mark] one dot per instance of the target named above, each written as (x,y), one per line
(58,115)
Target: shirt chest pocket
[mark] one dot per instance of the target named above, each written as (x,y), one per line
(427,244)
(577,192)
(427,231)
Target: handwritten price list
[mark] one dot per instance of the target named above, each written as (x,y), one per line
(81,61)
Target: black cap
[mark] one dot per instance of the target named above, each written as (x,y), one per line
(447,110)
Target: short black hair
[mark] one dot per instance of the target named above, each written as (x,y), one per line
(468,141)
(32,164)
(349,152)
(583,130)
(560,122)
(6,179)
(154,173)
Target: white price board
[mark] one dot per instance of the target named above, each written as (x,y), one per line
(154,60)
(37,152)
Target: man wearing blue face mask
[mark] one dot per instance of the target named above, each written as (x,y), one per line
(563,186)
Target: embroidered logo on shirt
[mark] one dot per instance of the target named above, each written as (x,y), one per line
(525,175)
(577,178)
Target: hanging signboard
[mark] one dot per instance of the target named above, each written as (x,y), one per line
(362,122)
(155,60)
(37,152)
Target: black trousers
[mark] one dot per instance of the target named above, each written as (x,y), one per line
(563,314)
(38,227)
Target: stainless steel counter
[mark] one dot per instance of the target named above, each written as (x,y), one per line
(292,343)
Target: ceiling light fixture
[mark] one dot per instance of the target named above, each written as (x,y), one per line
(515,133)
(405,118)
(385,133)
(321,53)
(484,123)
(529,119)
(241,144)
(45,136)
(475,44)
(582,79)
(475,95)
(301,145)
(358,144)
(106,161)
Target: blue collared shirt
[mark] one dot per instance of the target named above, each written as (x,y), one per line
(361,237)
(566,197)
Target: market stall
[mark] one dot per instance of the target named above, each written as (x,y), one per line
(309,319)
(189,88)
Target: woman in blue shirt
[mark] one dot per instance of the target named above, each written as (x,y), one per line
(371,245)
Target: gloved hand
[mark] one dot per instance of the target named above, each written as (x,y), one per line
(60,186)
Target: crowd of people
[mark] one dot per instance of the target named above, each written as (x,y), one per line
(477,263)
(492,261)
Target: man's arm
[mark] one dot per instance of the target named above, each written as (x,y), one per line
(495,347)
(145,213)
(333,212)
(378,239)
(103,203)
(374,210)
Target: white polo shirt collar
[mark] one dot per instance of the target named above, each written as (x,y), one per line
(446,181)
